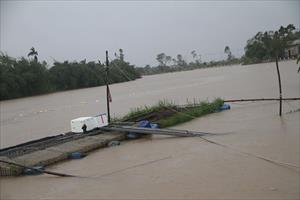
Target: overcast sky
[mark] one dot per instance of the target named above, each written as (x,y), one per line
(75,30)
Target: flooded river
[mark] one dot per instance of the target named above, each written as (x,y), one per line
(169,167)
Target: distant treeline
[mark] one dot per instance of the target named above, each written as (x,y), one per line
(147,70)
(27,77)
(261,48)
(169,64)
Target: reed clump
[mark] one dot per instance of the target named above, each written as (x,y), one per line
(192,111)
(179,114)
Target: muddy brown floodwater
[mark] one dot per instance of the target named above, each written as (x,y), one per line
(170,167)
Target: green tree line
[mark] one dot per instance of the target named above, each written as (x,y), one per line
(169,64)
(260,48)
(27,77)
(265,46)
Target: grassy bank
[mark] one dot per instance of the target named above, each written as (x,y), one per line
(167,114)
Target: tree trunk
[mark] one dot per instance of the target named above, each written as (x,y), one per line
(280,90)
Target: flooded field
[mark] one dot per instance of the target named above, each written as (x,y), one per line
(169,167)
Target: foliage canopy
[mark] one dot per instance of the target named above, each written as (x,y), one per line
(269,45)
(24,77)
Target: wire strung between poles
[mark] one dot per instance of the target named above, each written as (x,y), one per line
(38,170)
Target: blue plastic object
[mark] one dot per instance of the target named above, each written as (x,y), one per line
(154,125)
(141,124)
(144,124)
(225,107)
(76,155)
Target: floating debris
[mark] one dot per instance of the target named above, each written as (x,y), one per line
(36,170)
(76,155)
(114,143)
(225,107)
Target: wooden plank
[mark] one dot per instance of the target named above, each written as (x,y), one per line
(155,131)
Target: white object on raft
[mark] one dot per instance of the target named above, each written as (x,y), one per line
(90,122)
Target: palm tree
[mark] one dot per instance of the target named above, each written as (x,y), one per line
(228,52)
(33,53)
(194,54)
(121,55)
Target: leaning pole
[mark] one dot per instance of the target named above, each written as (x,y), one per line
(280,89)
(107,87)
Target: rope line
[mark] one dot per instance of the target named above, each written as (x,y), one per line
(89,177)
(250,154)
(134,166)
(122,72)
(38,170)
(246,153)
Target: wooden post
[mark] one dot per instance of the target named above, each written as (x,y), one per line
(280,90)
(107,88)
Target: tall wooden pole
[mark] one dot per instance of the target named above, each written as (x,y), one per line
(107,88)
(280,90)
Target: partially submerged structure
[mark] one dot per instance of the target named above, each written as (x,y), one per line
(49,150)
(293,49)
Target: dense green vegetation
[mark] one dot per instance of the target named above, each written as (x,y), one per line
(180,115)
(144,110)
(265,47)
(27,77)
(203,108)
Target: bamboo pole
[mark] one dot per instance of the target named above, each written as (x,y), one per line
(155,131)
(280,87)
(38,170)
(263,99)
(107,88)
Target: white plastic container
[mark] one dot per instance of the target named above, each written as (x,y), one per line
(101,120)
(90,122)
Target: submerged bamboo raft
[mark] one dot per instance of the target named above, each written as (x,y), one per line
(54,153)
(49,150)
